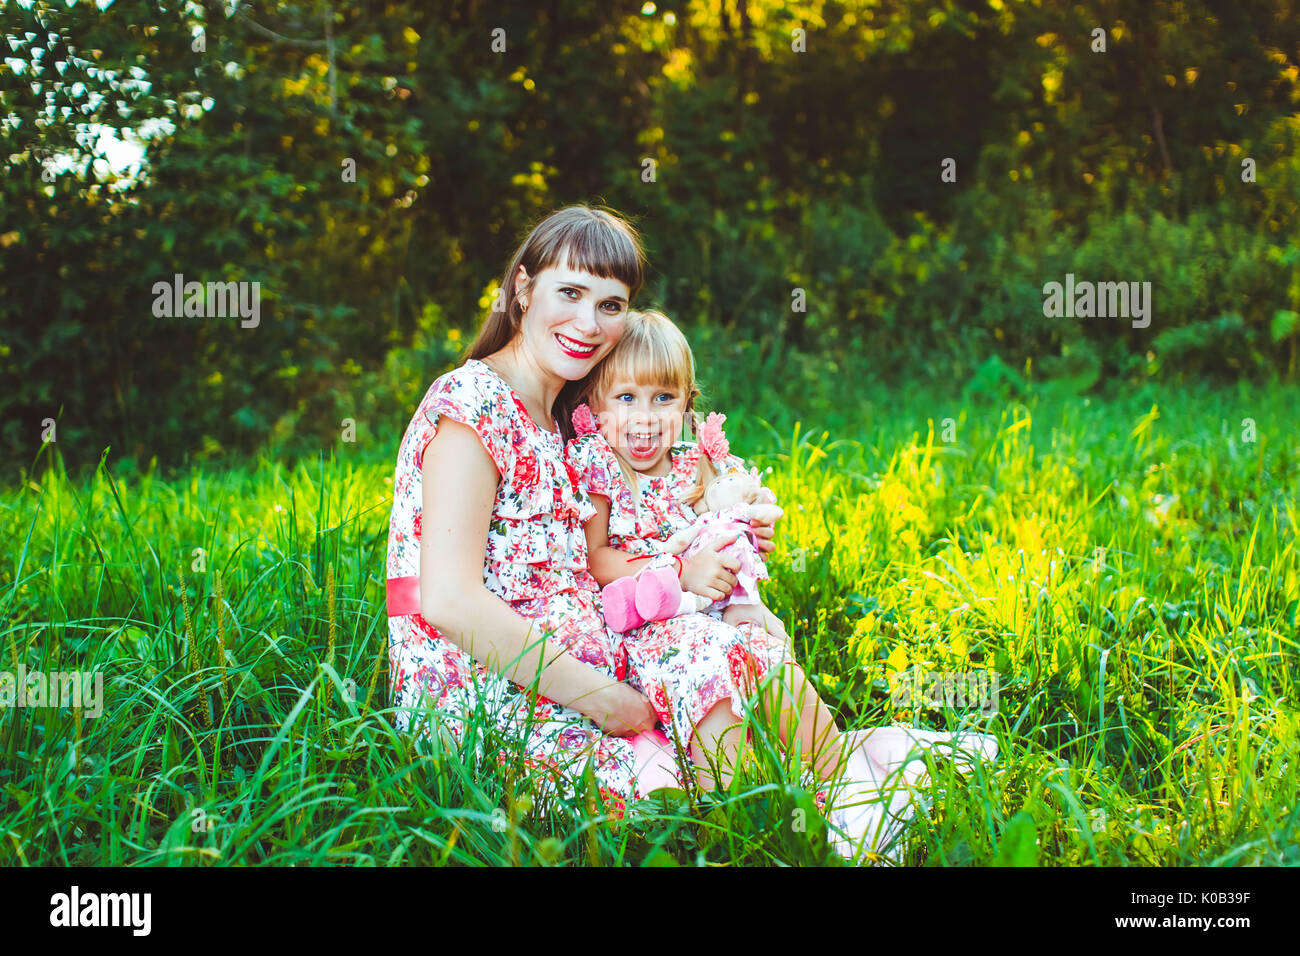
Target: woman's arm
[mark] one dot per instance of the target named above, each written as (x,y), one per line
(459,488)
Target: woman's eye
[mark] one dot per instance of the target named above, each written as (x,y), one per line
(567,290)
(614,308)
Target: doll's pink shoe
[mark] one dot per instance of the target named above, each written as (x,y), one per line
(658,594)
(618,601)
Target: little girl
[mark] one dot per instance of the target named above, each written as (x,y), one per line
(639,479)
(726,498)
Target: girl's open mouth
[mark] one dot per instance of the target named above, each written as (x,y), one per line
(573,348)
(643,446)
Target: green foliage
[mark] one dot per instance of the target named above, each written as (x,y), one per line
(775,171)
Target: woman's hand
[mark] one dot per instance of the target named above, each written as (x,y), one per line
(764,532)
(710,573)
(620,710)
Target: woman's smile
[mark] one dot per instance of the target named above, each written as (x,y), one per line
(581,313)
(575,348)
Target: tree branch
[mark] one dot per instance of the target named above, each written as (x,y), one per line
(272,35)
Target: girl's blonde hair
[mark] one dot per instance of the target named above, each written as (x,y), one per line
(652,351)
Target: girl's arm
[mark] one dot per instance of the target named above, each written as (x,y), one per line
(607,562)
(709,573)
(459,489)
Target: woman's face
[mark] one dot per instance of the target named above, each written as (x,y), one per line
(574,318)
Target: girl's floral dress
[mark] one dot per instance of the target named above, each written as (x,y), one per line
(536,561)
(686,665)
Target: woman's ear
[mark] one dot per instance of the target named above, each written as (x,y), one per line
(522,286)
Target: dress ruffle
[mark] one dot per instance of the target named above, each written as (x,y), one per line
(599,473)
(538,518)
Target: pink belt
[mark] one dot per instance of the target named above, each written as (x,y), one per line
(403,596)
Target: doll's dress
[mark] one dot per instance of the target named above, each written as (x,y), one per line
(732,522)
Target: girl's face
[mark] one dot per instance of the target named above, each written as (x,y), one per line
(641,422)
(574,318)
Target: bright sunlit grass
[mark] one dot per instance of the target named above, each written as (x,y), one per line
(1128,572)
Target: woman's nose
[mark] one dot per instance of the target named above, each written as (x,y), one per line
(585,321)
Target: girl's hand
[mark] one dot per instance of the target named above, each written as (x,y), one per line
(711,574)
(621,711)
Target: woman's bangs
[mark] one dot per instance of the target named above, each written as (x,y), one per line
(594,247)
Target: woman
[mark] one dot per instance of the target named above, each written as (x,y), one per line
(491,604)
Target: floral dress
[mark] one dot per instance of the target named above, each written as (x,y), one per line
(688,664)
(536,561)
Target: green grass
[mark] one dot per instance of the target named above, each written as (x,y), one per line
(1127,567)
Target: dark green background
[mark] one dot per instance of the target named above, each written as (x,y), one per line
(775,170)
